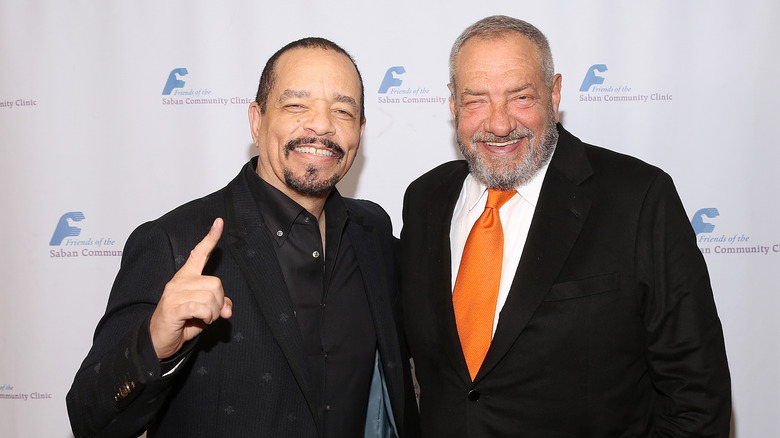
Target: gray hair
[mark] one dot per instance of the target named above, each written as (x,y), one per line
(499,26)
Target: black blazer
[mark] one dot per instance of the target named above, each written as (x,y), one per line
(246,376)
(609,329)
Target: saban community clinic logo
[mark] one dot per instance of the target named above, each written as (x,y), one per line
(598,87)
(175,92)
(393,91)
(174,80)
(719,243)
(67,241)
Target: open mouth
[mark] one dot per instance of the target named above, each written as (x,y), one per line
(501,144)
(314,151)
(303,145)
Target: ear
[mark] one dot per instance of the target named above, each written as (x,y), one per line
(255,120)
(452,100)
(556,94)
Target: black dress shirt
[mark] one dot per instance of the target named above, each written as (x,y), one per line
(330,304)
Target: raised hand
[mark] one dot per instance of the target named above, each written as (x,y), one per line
(190,301)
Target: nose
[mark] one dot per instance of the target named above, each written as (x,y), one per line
(319,121)
(499,122)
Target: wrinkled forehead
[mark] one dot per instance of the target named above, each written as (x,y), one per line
(310,72)
(309,67)
(481,59)
(508,44)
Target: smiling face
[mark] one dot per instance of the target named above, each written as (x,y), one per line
(309,134)
(505,113)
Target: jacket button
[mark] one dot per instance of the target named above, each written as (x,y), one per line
(473,395)
(124,390)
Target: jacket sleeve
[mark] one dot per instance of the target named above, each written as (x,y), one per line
(121,384)
(685,348)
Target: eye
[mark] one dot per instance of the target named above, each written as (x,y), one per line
(473,103)
(524,100)
(344,113)
(295,107)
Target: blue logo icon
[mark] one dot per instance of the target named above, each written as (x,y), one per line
(390,80)
(65,229)
(699,226)
(174,81)
(591,78)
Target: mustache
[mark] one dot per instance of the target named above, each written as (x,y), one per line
(330,144)
(516,134)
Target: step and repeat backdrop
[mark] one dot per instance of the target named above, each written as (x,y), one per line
(113,113)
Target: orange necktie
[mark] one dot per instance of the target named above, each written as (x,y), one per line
(476,286)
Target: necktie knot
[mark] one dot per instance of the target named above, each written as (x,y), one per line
(497,198)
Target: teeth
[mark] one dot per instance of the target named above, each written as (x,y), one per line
(315,151)
(490,143)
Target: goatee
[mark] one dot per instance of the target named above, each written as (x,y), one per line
(511,172)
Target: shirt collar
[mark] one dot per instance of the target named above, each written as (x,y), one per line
(529,191)
(279,211)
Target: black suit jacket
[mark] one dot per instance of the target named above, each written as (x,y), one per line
(609,329)
(246,376)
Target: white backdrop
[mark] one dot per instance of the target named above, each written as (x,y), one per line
(91,147)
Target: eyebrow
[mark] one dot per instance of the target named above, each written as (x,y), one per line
(290,94)
(349,100)
(470,92)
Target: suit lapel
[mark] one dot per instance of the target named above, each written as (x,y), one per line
(557,222)
(370,256)
(372,268)
(251,247)
(442,204)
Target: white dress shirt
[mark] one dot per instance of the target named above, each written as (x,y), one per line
(516,217)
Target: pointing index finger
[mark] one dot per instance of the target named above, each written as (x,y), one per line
(199,255)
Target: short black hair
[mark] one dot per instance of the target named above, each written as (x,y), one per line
(268,76)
